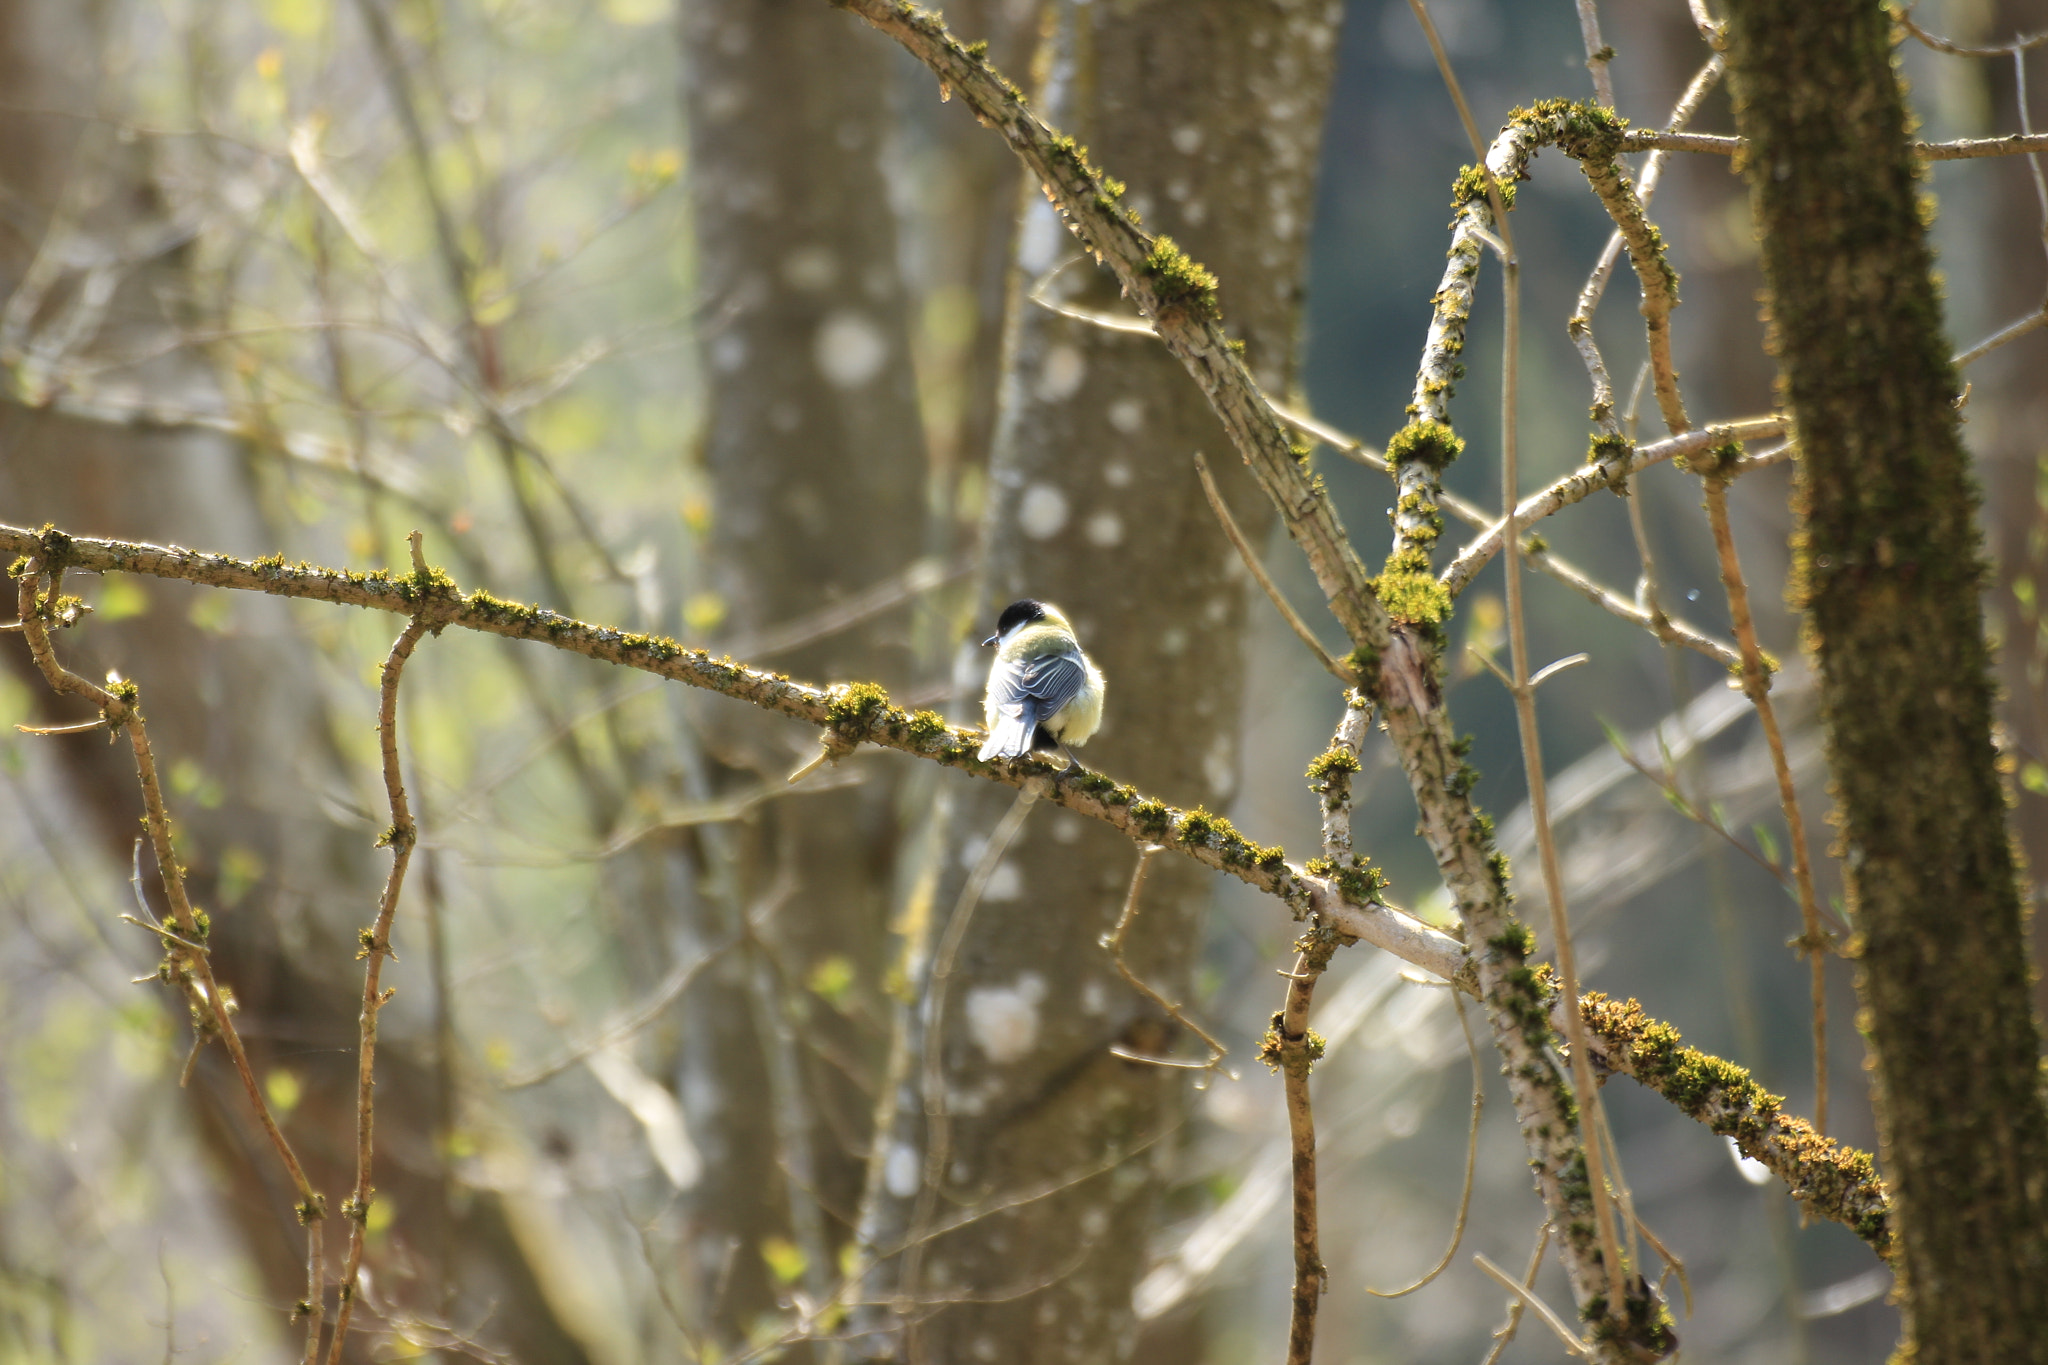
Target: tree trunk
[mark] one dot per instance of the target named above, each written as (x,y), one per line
(1214,115)
(239,723)
(817,462)
(1889,566)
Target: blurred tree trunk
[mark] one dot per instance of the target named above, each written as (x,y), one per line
(817,462)
(244,758)
(1890,563)
(1214,116)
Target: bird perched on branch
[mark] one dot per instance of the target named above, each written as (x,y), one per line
(1042,690)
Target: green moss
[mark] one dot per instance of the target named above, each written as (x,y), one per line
(1181,284)
(1202,829)
(1602,448)
(1153,818)
(1357,880)
(1517,941)
(1432,444)
(924,725)
(1297,1059)
(855,706)
(1412,596)
(1331,760)
(1582,129)
(1471,185)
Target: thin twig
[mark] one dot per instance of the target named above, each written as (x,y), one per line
(1264,580)
(1505,1333)
(1290,1047)
(1756,685)
(1114,943)
(938,1120)
(666,994)
(2019,44)
(1720,144)
(1598,53)
(1471,1161)
(1586,1093)
(401,837)
(212,1007)
(1608,471)
(1543,1310)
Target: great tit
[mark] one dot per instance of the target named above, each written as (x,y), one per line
(1042,690)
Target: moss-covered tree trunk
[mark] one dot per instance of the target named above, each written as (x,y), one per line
(1889,565)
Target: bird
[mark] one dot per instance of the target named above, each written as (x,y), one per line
(1042,690)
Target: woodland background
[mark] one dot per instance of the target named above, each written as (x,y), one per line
(704,319)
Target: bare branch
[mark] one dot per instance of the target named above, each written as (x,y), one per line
(402,835)
(1720,144)
(1265,580)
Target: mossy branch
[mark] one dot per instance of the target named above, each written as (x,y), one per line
(853,713)
(863,712)
(1836,1181)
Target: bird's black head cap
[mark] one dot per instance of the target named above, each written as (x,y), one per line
(1019,612)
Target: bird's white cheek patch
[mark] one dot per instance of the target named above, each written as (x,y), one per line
(1003,1020)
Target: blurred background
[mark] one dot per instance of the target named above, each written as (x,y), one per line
(706,318)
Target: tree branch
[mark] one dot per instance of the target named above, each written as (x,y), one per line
(862,710)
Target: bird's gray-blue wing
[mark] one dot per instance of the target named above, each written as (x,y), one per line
(1052,681)
(1024,694)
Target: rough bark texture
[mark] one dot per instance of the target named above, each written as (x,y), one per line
(1215,115)
(286,885)
(817,462)
(1889,567)
(2007,431)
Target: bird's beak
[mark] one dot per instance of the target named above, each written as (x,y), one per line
(990,640)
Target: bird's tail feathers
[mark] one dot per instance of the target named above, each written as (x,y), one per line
(1011,738)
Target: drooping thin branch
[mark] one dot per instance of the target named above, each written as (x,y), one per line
(1505,1333)
(400,838)
(1584,1092)
(189,968)
(1471,1163)
(1904,18)
(1259,574)
(938,1114)
(1814,942)
(1526,1294)
(1113,944)
(1669,629)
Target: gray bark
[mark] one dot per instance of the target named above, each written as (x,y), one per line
(817,459)
(1213,116)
